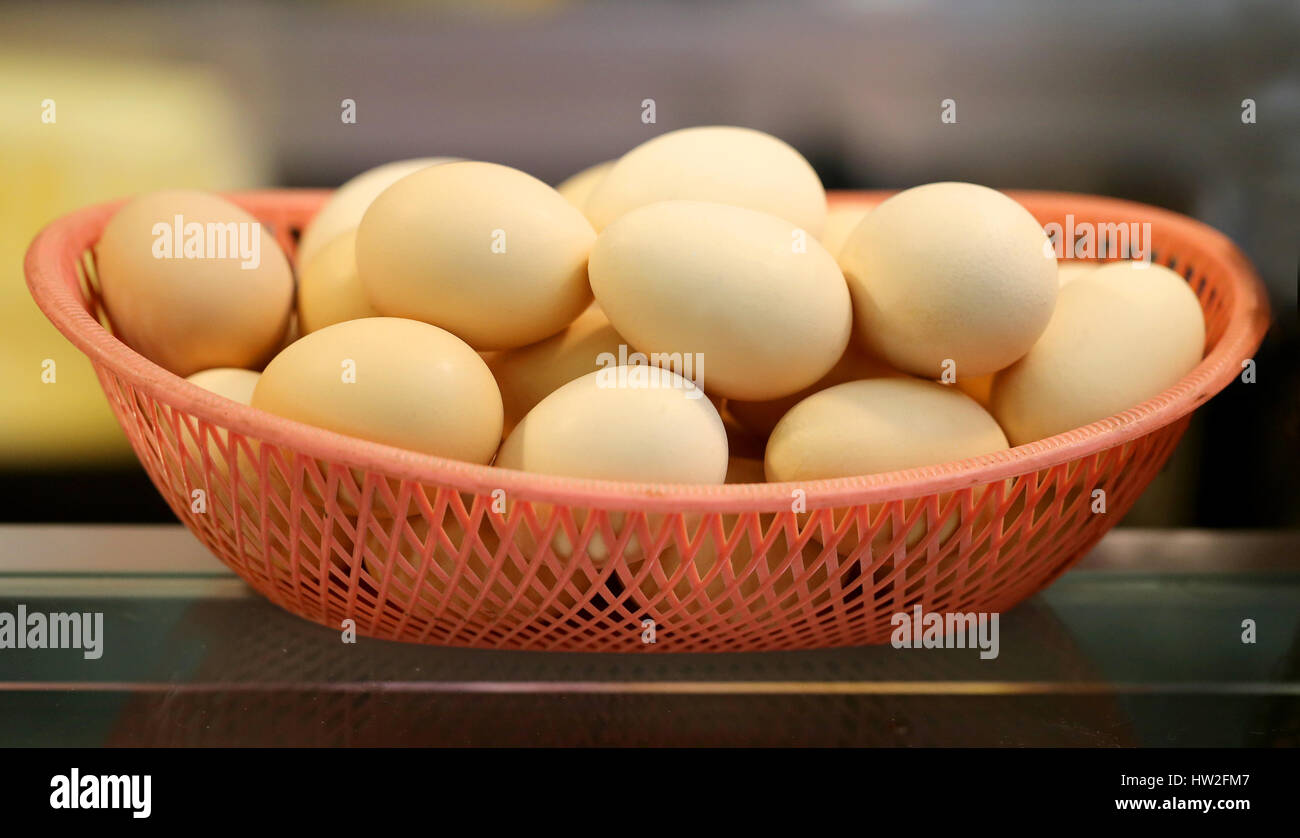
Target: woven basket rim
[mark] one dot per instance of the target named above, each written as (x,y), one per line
(51,271)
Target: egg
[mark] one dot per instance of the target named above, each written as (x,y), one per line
(979,388)
(528,374)
(486,252)
(950,277)
(601,428)
(878,425)
(745,297)
(342,212)
(388,380)
(191,281)
(1068,270)
(759,418)
(577,188)
(227,382)
(329,290)
(1120,335)
(236,385)
(841,220)
(614,425)
(722,164)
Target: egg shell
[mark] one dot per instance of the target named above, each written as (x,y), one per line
(593,427)
(950,272)
(878,425)
(185,313)
(1069,270)
(841,219)
(329,290)
(228,382)
(413,386)
(760,417)
(765,309)
(978,388)
(720,163)
(487,252)
(577,188)
(236,385)
(342,212)
(1120,335)
(528,374)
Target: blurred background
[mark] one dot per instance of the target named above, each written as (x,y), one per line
(1139,101)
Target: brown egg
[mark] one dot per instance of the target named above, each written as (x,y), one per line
(950,275)
(329,290)
(528,374)
(761,417)
(192,282)
(753,302)
(1119,336)
(880,425)
(487,252)
(389,380)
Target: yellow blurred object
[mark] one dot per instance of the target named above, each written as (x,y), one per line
(78,130)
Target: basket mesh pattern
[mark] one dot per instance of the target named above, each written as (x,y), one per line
(458,562)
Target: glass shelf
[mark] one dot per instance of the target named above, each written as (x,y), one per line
(1141,644)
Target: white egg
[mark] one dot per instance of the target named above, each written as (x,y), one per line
(229,382)
(759,418)
(756,305)
(343,211)
(577,188)
(1070,270)
(388,380)
(723,164)
(528,374)
(878,425)
(489,253)
(655,429)
(1120,335)
(191,282)
(619,423)
(881,425)
(950,277)
(841,220)
(329,289)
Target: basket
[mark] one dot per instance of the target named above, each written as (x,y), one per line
(398,545)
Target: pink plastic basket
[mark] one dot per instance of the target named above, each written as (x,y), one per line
(419,548)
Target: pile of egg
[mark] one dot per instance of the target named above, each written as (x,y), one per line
(468,310)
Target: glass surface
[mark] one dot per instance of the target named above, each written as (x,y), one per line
(1141,645)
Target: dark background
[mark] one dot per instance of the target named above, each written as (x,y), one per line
(1134,100)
